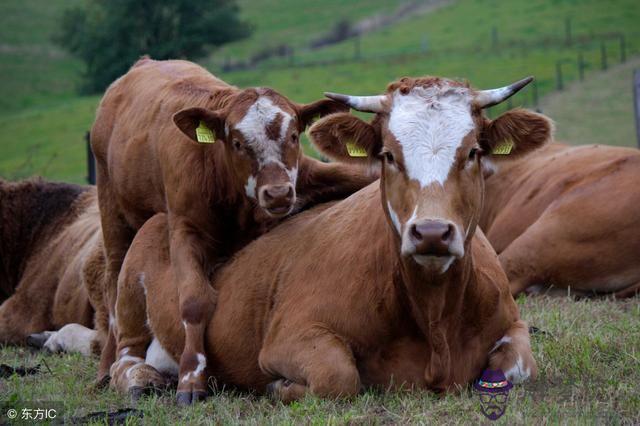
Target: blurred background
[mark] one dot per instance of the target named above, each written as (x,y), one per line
(58,56)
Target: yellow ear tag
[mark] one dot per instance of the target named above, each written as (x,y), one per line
(504,148)
(355,151)
(205,134)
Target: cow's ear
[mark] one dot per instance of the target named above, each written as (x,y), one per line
(200,124)
(515,133)
(312,112)
(345,137)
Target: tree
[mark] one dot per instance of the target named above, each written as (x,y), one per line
(110,35)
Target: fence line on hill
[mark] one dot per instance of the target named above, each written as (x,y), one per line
(636,101)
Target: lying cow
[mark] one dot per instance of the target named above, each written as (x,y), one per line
(50,246)
(568,217)
(394,286)
(170,137)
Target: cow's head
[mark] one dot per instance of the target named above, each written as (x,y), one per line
(435,145)
(260,130)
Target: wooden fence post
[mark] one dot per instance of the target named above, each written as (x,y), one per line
(636,101)
(91,161)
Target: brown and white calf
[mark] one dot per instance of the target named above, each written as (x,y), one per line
(393,286)
(567,217)
(218,196)
(50,247)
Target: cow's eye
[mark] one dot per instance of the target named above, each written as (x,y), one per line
(237,145)
(294,138)
(388,156)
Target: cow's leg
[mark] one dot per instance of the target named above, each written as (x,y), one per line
(318,363)
(18,319)
(117,238)
(93,274)
(521,261)
(512,354)
(130,373)
(197,300)
(630,291)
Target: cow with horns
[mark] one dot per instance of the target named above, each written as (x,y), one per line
(393,286)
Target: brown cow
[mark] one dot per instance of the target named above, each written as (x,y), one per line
(50,242)
(568,217)
(217,195)
(392,286)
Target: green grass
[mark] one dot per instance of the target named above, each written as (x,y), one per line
(294,23)
(589,364)
(605,100)
(33,71)
(42,121)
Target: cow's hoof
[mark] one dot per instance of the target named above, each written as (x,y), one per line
(37,340)
(137,392)
(187,398)
(274,388)
(102,382)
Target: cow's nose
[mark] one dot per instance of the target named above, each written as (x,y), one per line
(277,199)
(432,237)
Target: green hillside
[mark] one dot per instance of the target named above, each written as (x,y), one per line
(42,121)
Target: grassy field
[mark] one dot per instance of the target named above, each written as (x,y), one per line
(588,357)
(605,99)
(42,121)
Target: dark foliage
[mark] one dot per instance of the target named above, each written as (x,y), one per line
(109,35)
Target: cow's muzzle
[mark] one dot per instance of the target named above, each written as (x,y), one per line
(434,244)
(277,200)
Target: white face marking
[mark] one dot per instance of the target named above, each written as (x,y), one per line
(430,123)
(254,129)
(141,279)
(250,187)
(407,246)
(293,175)
(394,218)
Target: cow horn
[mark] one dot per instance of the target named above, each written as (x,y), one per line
(360,103)
(488,98)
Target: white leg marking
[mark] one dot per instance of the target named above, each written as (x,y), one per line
(202,364)
(518,373)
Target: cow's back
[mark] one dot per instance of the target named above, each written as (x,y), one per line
(32,213)
(134,137)
(577,182)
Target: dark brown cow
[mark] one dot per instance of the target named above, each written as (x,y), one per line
(393,286)
(568,217)
(217,195)
(49,235)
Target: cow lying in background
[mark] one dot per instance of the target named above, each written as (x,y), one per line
(394,286)
(155,144)
(568,217)
(50,247)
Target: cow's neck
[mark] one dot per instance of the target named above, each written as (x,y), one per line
(433,296)
(435,303)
